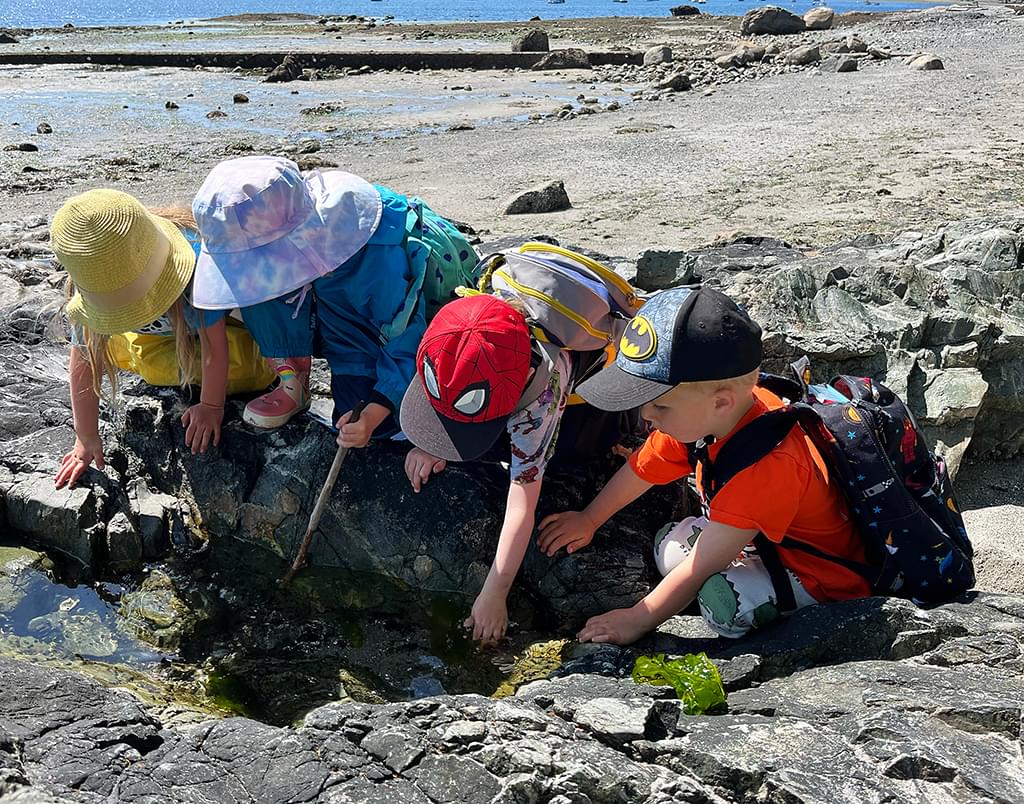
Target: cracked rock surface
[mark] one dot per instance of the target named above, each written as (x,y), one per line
(813,715)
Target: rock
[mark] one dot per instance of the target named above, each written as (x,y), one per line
(535,41)
(684,11)
(550,197)
(740,56)
(677,82)
(658,55)
(819,19)
(157,614)
(307,163)
(27,147)
(461,126)
(926,61)
(803,55)
(7,39)
(68,517)
(465,732)
(568,59)
(770,20)
(615,721)
(851,44)
(216,114)
(44,128)
(124,546)
(170,105)
(240,97)
(157,514)
(840,64)
(288,70)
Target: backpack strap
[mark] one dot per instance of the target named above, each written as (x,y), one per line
(745,448)
(785,600)
(545,354)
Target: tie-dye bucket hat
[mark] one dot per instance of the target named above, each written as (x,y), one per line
(268,230)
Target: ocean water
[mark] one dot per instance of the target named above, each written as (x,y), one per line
(48,13)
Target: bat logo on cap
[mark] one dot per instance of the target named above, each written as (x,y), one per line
(639,340)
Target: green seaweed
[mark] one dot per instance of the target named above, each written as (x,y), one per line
(228,692)
(693,676)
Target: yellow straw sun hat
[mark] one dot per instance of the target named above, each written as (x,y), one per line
(128,265)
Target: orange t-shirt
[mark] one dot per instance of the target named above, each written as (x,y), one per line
(786,493)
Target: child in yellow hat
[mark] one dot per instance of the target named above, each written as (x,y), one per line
(129,285)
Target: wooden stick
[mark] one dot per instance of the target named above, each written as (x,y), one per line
(321,503)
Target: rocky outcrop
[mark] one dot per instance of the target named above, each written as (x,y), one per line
(936,315)
(875,698)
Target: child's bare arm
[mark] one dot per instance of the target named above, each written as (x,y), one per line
(574,529)
(716,547)
(490,614)
(202,422)
(85,410)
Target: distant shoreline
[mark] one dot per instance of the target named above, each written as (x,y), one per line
(289,17)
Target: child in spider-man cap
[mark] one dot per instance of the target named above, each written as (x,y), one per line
(480,373)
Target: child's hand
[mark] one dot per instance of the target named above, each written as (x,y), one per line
(420,465)
(572,530)
(355,435)
(620,627)
(489,617)
(202,426)
(87,449)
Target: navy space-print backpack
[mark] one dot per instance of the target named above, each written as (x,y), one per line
(899,492)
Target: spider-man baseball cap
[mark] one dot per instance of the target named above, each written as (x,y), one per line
(471,369)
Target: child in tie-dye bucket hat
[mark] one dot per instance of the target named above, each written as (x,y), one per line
(326,261)
(129,277)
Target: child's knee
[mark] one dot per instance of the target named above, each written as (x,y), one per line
(726,611)
(675,540)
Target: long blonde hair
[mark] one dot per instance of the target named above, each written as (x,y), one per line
(97,346)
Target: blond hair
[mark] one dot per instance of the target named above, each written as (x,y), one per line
(97,346)
(743,384)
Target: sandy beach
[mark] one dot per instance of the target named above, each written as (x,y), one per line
(804,155)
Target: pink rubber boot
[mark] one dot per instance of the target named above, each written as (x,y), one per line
(289,397)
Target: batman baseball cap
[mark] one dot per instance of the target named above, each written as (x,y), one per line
(686,334)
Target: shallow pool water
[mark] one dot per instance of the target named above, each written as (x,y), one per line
(183,634)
